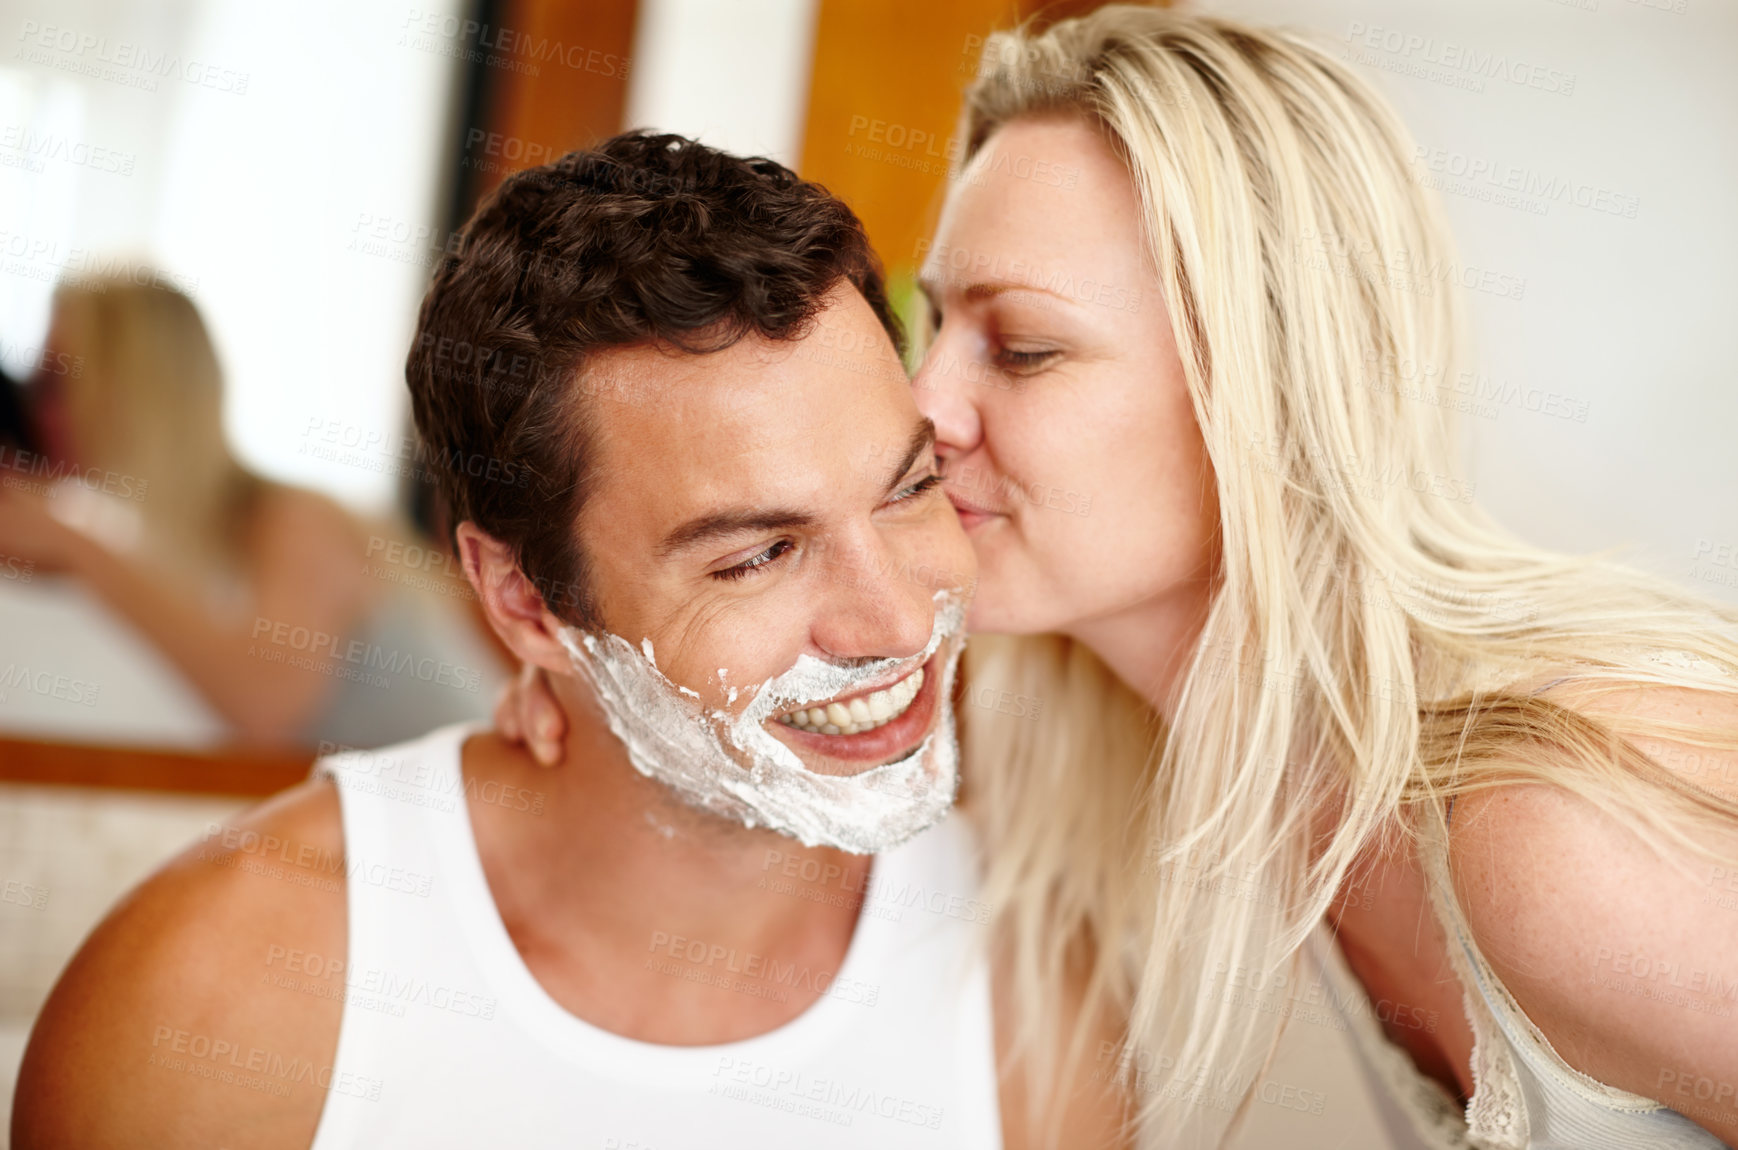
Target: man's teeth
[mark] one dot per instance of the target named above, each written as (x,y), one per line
(864,713)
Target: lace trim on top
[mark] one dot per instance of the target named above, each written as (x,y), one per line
(1496,1115)
(1431,1111)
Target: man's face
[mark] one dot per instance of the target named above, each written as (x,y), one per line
(770,501)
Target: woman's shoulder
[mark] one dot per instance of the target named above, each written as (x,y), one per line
(1619,945)
(280,509)
(299,538)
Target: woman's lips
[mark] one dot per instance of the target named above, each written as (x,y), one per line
(894,739)
(971,514)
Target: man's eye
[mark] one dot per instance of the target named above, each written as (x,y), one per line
(751,565)
(912,492)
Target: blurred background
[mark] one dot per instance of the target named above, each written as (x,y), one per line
(218,550)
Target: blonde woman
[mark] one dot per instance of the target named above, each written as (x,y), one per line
(1307,713)
(193,549)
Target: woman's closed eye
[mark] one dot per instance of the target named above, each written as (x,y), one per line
(1019,360)
(934,319)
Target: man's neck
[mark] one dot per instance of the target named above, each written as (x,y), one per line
(646,916)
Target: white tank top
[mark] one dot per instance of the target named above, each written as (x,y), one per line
(448,1040)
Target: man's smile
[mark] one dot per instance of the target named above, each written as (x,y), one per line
(863,711)
(878,726)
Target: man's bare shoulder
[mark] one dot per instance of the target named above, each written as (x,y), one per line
(204,1010)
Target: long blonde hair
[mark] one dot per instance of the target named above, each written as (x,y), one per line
(145,408)
(1371,634)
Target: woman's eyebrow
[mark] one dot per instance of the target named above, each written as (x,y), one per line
(933,287)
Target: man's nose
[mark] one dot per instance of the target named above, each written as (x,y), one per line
(880,605)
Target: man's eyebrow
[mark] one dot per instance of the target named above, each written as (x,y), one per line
(737,521)
(922,438)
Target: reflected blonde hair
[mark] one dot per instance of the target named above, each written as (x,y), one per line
(1373,637)
(146,406)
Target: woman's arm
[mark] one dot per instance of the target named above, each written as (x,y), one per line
(305,568)
(1625,959)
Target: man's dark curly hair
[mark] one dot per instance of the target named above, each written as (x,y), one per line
(644,240)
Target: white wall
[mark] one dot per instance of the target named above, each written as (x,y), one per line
(282,164)
(1631,320)
(302,211)
(731,73)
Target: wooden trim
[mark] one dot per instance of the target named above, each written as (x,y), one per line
(885,93)
(884,96)
(565,86)
(245,772)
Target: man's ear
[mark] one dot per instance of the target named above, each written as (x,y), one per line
(511,604)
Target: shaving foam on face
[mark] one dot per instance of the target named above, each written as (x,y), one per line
(736,768)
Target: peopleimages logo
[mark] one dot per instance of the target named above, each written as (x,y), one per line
(311,644)
(400,454)
(120,61)
(1464,65)
(1481,177)
(53,471)
(36,257)
(502,47)
(48,684)
(840,1102)
(39,146)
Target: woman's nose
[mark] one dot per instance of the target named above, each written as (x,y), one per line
(944,396)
